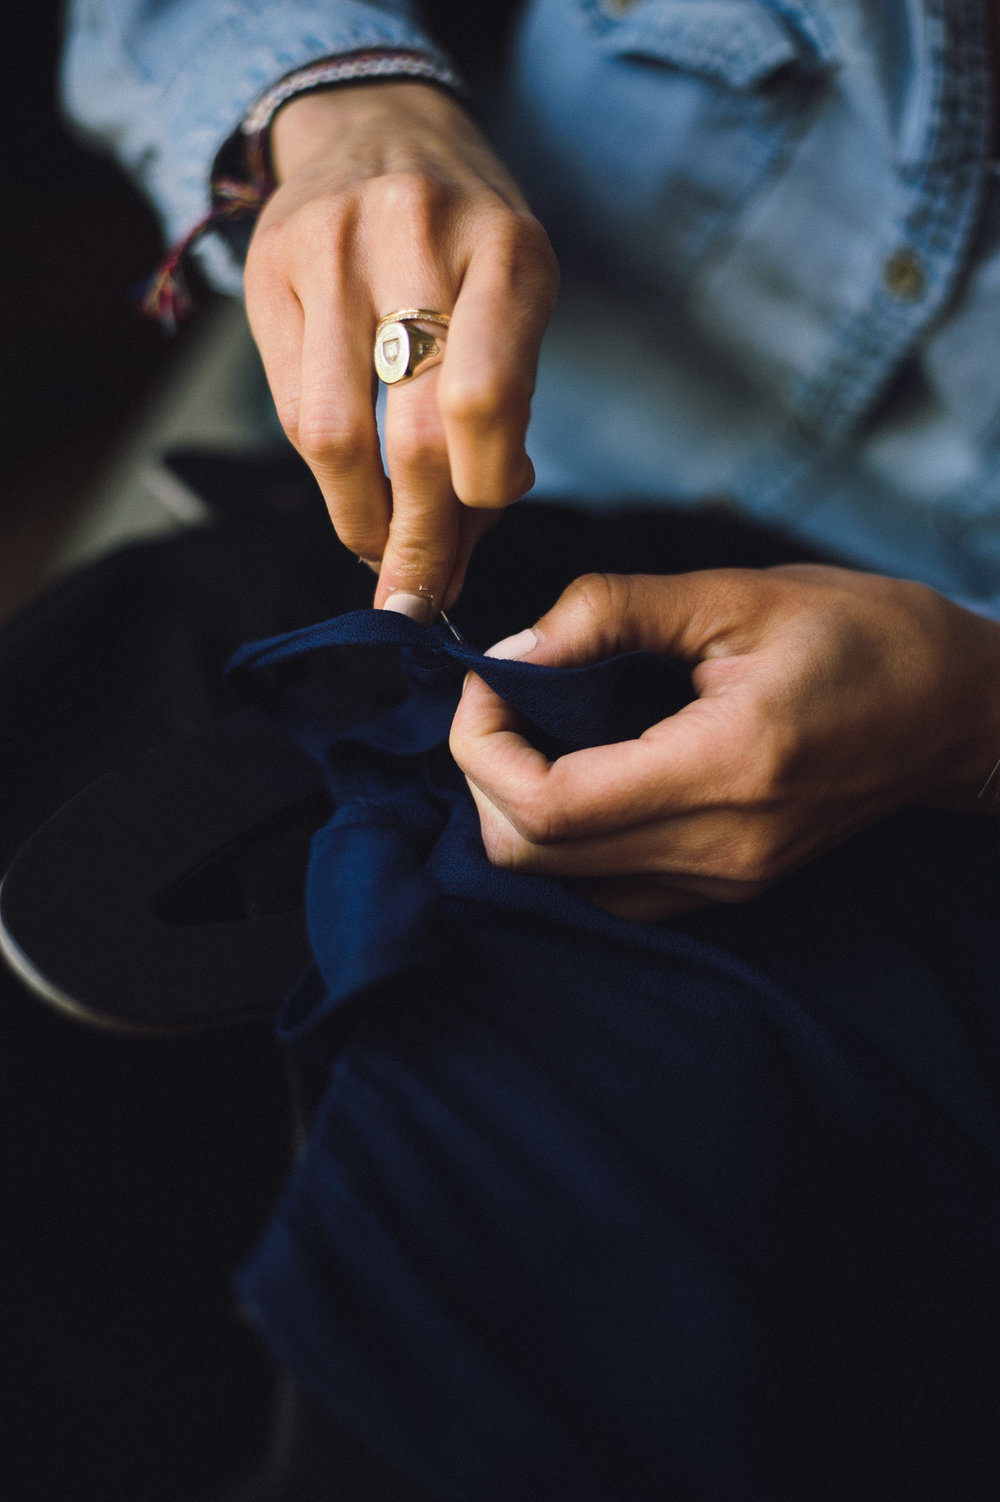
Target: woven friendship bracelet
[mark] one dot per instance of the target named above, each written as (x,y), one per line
(353,68)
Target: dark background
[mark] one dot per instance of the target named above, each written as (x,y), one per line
(126,1169)
(78,358)
(133,1175)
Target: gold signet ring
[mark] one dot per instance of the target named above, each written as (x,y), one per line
(403,349)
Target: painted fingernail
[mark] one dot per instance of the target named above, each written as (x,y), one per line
(419,608)
(518,645)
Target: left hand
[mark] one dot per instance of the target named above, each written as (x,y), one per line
(390,197)
(826,698)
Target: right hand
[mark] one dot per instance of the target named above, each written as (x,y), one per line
(827,698)
(388,198)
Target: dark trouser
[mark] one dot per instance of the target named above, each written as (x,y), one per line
(140,1174)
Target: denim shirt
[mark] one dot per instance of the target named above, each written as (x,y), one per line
(778,223)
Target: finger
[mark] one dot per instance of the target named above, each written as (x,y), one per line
(277,322)
(336,432)
(687,616)
(407,248)
(489,370)
(683,763)
(423,539)
(715,855)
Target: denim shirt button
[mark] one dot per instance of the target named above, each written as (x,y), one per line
(619,7)
(903,276)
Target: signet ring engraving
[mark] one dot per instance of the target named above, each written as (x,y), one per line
(403,349)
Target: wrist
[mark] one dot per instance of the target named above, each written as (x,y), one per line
(974,780)
(307,124)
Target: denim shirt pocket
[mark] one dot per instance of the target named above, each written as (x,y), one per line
(639,130)
(739,43)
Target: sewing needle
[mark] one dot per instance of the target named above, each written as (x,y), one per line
(450,624)
(453,629)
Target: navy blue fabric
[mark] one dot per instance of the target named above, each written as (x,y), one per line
(604,1210)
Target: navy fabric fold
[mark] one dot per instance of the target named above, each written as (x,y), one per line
(612,700)
(607,1210)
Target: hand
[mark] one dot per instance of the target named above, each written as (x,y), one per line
(389,198)
(826,698)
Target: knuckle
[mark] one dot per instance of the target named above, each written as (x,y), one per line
(412,558)
(408,195)
(487,494)
(416,443)
(315,240)
(362,536)
(753,861)
(324,223)
(458,741)
(513,838)
(534,250)
(499,844)
(331,443)
(287,408)
(537,822)
(598,596)
(507,848)
(486,400)
(750,868)
(522,254)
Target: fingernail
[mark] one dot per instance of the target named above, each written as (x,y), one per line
(518,645)
(419,608)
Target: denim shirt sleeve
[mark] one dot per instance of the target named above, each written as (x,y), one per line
(164,83)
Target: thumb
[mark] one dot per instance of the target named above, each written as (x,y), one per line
(686,616)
